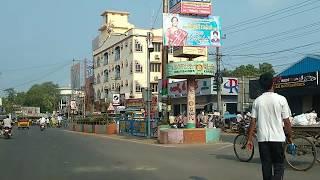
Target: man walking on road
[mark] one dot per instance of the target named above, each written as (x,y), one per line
(269,112)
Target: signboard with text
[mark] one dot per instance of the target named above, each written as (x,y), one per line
(230,86)
(296,81)
(192,7)
(188,68)
(191,31)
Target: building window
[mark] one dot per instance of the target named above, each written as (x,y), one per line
(138,67)
(99,94)
(138,46)
(138,87)
(130,46)
(155,67)
(106,91)
(157,47)
(154,87)
(117,72)
(98,61)
(98,79)
(106,75)
(117,53)
(105,58)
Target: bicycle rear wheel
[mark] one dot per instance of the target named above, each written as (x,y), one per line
(240,148)
(305,155)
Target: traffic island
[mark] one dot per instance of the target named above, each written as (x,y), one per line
(189,136)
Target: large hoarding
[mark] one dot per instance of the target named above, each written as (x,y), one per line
(189,7)
(191,68)
(191,31)
(230,86)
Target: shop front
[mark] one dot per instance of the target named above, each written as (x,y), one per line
(206,95)
(300,85)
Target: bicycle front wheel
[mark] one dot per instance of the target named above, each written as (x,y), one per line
(305,155)
(240,148)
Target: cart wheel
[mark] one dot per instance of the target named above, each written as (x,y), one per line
(305,155)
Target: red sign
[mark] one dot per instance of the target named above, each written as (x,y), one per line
(196,8)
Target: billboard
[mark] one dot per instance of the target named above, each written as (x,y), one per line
(230,86)
(192,8)
(188,68)
(191,31)
(172,3)
(75,76)
(184,51)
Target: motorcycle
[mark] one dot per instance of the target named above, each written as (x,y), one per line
(7,132)
(42,127)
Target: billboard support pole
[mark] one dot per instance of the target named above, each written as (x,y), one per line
(218,80)
(164,63)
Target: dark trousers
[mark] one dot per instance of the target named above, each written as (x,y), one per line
(272,157)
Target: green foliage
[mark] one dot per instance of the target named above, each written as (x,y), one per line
(249,70)
(45,96)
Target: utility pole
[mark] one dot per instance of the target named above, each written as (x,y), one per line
(219,81)
(164,67)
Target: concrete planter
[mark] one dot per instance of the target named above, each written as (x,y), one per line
(79,127)
(112,128)
(100,129)
(161,127)
(88,128)
(213,135)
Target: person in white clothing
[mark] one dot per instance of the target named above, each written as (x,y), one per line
(42,121)
(7,122)
(269,112)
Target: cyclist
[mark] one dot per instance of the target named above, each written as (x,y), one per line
(269,112)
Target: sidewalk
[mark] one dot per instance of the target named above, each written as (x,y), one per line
(226,139)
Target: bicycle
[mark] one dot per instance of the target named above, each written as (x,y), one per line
(302,160)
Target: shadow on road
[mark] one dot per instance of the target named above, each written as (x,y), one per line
(197,178)
(233,158)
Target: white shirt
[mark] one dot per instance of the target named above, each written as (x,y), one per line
(7,122)
(42,120)
(269,110)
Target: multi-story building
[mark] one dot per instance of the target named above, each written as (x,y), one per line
(120,58)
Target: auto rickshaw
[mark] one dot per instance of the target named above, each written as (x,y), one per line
(23,123)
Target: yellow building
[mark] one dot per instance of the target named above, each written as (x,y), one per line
(120,58)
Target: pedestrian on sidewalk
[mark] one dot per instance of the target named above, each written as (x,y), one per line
(269,112)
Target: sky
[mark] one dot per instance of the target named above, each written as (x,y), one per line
(39,38)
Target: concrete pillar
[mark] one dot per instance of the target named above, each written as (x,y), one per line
(191,105)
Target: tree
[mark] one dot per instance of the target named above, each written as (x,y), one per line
(249,70)
(266,67)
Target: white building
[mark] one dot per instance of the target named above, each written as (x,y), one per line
(120,58)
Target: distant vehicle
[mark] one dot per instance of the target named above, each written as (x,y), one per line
(23,123)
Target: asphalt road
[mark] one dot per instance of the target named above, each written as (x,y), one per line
(56,154)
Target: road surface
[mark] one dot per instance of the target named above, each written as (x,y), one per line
(56,154)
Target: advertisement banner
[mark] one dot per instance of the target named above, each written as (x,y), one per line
(191,31)
(192,8)
(172,3)
(187,68)
(296,81)
(230,86)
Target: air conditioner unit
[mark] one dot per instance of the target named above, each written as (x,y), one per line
(156,78)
